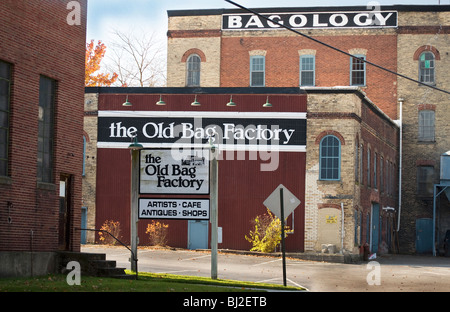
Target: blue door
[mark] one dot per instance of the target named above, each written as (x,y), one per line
(198,234)
(424,235)
(83,224)
(375,227)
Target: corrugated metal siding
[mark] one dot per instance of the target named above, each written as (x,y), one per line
(243,189)
(182,102)
(113,199)
(113,189)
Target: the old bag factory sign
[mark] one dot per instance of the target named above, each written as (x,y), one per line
(167,171)
(236,131)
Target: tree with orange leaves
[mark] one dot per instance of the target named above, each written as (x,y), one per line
(94,56)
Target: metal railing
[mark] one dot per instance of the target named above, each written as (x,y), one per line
(118,240)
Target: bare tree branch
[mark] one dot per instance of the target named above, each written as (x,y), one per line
(137,59)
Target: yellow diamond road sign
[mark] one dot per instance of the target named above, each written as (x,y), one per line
(290,202)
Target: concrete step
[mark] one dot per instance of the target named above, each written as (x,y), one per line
(93,264)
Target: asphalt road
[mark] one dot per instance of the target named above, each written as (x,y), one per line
(391,273)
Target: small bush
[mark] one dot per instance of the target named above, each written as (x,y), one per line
(266,235)
(112,227)
(157,233)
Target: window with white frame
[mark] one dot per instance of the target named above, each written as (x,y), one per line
(193,71)
(358,70)
(427,67)
(307,70)
(257,71)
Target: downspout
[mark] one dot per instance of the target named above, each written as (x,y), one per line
(400,123)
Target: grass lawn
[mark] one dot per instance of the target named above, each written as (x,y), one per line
(147,282)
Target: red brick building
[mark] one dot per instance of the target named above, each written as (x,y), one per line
(232,47)
(41,124)
(226,51)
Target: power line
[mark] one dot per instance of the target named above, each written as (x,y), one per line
(334,48)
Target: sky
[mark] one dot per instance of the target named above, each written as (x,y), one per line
(144,16)
(151,15)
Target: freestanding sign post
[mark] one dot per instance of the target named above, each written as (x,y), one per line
(191,172)
(214,211)
(283,246)
(135,148)
(282,203)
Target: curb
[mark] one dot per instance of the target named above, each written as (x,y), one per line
(322,257)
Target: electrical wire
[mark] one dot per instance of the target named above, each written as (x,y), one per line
(334,48)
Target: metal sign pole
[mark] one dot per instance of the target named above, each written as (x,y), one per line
(214,220)
(283,248)
(134,206)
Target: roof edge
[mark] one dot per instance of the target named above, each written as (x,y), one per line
(194,90)
(350,89)
(397,7)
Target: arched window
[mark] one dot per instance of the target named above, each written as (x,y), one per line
(330,158)
(426,67)
(193,71)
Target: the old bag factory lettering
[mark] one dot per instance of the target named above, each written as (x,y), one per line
(173,175)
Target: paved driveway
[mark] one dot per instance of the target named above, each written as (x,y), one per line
(388,273)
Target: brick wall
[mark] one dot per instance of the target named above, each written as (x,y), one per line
(354,121)
(434,33)
(37,40)
(90,162)
(228,56)
(331,68)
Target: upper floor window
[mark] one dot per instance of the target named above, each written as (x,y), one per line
(193,71)
(381,174)
(47,93)
(358,70)
(356,161)
(5,83)
(361,164)
(426,125)
(330,158)
(375,160)
(84,156)
(426,67)
(257,71)
(368,167)
(425,180)
(307,70)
